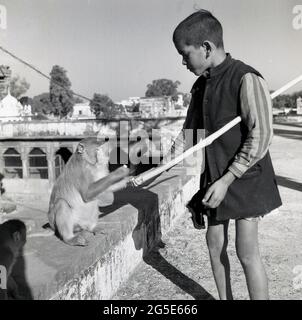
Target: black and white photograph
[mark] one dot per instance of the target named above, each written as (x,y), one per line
(150,151)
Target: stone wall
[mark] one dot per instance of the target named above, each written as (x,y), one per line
(50,269)
(78,127)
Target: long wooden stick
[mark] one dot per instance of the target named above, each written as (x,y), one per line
(202,144)
(286,86)
(140,179)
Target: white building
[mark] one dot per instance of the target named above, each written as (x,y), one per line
(82,111)
(180,100)
(10,109)
(277,111)
(26,112)
(156,107)
(129,102)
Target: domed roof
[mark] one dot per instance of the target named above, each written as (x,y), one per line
(9,99)
(10,106)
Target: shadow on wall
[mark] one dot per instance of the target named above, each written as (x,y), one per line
(147,231)
(147,235)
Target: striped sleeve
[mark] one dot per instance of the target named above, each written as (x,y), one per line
(256,114)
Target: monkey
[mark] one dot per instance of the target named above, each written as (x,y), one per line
(83,185)
(12,240)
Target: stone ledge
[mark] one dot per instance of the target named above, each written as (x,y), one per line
(49,269)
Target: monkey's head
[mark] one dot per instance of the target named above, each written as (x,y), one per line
(16,230)
(94,151)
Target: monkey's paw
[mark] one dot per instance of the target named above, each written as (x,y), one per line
(98,230)
(78,240)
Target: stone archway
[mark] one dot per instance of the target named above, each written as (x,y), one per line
(65,153)
(12,164)
(61,158)
(38,165)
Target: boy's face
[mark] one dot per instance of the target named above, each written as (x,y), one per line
(193,58)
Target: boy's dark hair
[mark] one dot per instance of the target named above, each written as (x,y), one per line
(197,28)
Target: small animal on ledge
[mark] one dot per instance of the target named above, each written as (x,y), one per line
(83,186)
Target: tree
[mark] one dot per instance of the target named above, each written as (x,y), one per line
(187,99)
(78,100)
(61,95)
(41,104)
(25,100)
(284,101)
(101,104)
(162,87)
(18,86)
(296,95)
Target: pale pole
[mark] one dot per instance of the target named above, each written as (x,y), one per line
(145,176)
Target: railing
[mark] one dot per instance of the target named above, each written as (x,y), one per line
(80,127)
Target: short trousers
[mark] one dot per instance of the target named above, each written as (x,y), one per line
(253,219)
(213,222)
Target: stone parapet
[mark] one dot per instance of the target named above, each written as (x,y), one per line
(50,269)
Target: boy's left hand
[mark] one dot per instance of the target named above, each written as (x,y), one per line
(217,191)
(215,194)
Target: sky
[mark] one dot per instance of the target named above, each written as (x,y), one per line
(117,47)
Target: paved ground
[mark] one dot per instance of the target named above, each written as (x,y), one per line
(181,270)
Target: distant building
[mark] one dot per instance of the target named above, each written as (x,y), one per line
(10,108)
(277,111)
(82,111)
(131,101)
(299,105)
(153,107)
(156,107)
(180,109)
(162,107)
(128,105)
(180,100)
(26,111)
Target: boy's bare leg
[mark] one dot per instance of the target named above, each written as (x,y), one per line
(217,241)
(248,253)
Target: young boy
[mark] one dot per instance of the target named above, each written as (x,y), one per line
(238,181)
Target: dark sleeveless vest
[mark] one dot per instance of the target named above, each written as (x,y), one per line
(216,101)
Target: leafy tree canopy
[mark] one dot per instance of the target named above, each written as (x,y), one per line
(102,105)
(162,87)
(287,100)
(41,104)
(60,93)
(18,86)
